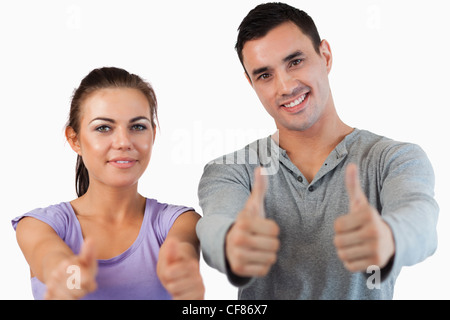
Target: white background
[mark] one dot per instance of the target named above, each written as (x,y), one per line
(390,76)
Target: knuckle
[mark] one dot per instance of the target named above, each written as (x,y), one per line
(264,270)
(237,239)
(164,276)
(192,265)
(243,224)
(342,255)
(239,256)
(272,259)
(338,224)
(372,231)
(240,240)
(337,241)
(273,227)
(277,245)
(351,267)
(238,268)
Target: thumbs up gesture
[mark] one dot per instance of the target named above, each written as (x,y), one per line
(251,244)
(179,270)
(362,238)
(73,277)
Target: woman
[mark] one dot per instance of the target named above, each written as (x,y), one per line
(111,242)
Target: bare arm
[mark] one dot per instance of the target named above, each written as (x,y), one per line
(42,247)
(48,257)
(178,264)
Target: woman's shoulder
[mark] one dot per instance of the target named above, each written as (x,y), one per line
(164,214)
(161,216)
(157,207)
(58,216)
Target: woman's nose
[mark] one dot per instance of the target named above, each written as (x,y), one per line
(122,139)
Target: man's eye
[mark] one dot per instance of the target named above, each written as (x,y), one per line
(296,62)
(103,129)
(264,76)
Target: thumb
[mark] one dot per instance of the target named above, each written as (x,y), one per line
(171,249)
(88,253)
(355,193)
(255,202)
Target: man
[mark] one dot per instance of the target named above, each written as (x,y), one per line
(337,211)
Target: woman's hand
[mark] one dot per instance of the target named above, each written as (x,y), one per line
(73,277)
(179,270)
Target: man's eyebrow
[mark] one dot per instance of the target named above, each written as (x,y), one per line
(260,70)
(296,54)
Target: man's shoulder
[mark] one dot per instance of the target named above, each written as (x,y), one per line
(369,143)
(240,164)
(251,154)
(370,139)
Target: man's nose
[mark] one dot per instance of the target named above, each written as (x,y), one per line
(286,84)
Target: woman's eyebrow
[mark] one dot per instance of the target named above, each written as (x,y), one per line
(103,119)
(113,121)
(139,118)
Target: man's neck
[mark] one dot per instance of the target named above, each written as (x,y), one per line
(309,149)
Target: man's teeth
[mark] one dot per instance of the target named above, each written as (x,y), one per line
(296,102)
(123,161)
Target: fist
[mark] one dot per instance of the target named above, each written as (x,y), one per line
(74,277)
(252,243)
(179,271)
(362,238)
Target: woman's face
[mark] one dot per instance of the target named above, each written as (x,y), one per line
(115,137)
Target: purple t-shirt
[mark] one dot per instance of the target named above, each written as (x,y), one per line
(130,275)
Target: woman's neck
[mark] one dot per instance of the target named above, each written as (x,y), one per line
(110,204)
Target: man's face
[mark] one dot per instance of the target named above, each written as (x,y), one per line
(289,76)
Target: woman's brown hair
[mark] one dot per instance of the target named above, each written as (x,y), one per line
(103,78)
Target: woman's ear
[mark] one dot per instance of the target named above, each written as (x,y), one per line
(154,133)
(72,138)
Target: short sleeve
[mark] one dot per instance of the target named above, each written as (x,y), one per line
(166,215)
(55,216)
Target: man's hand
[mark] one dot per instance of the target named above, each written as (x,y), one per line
(251,244)
(362,238)
(179,271)
(73,277)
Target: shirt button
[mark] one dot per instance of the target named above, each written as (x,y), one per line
(300,179)
(311,188)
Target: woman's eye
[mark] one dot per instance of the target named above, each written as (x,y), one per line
(103,129)
(138,127)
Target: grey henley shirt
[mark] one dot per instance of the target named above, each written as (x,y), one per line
(396,177)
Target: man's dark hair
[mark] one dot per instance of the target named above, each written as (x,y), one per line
(265,17)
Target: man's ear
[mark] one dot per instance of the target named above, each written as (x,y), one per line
(325,51)
(248,78)
(72,138)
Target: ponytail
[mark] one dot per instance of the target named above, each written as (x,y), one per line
(81,177)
